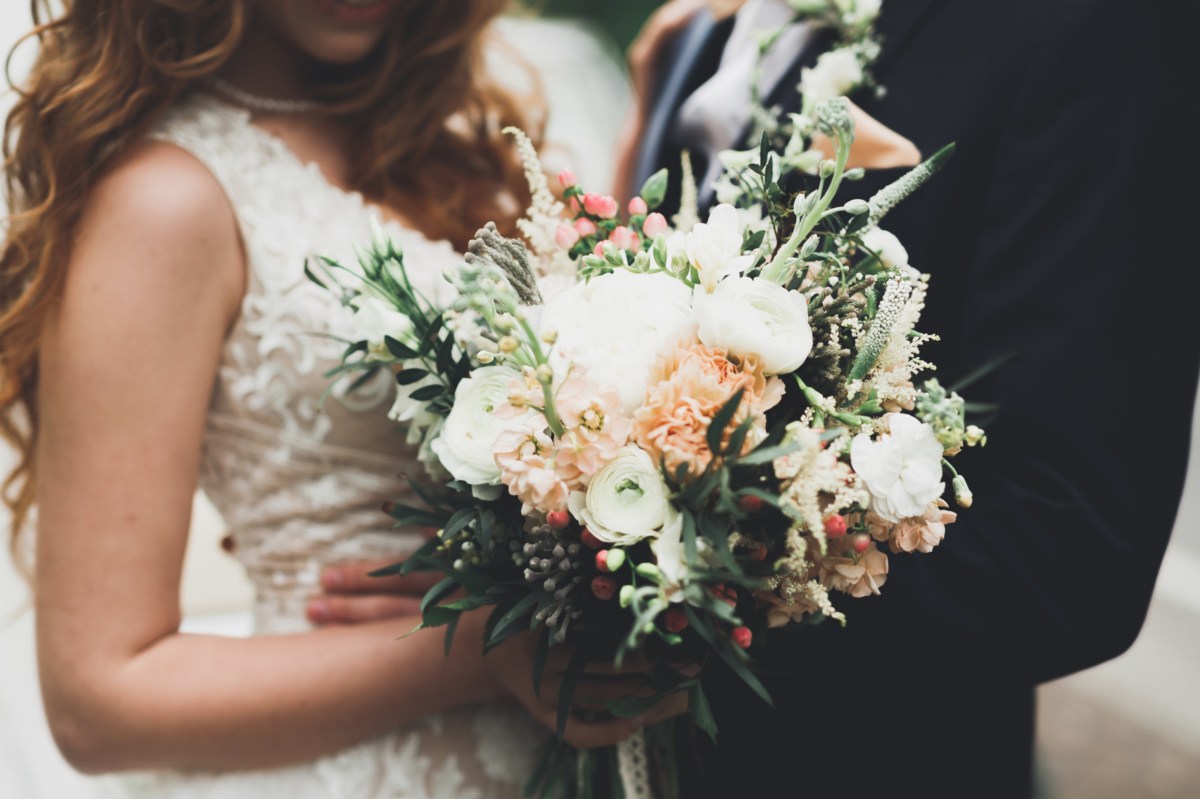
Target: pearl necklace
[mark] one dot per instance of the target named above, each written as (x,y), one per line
(268,105)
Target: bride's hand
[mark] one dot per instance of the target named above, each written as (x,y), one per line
(511,664)
(353,596)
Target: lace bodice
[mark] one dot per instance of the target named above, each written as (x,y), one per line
(299,483)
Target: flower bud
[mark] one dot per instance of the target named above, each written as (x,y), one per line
(550,335)
(858,207)
(858,173)
(485,357)
(975,436)
(558,519)
(566,178)
(675,620)
(509,344)
(810,246)
(649,571)
(601,205)
(623,238)
(962,493)
(566,236)
(626,597)
(655,223)
(544,374)
(604,587)
(637,206)
(826,168)
(585,227)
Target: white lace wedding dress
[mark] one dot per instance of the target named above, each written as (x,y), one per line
(300,486)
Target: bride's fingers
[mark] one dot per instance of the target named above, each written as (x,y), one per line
(356,609)
(355,578)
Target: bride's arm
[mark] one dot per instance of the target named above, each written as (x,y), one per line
(127,364)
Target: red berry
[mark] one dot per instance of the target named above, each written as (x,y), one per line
(835,525)
(602,560)
(675,620)
(750,503)
(604,587)
(759,552)
(742,636)
(558,519)
(725,594)
(860,542)
(590,541)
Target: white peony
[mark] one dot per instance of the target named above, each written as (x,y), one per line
(902,469)
(744,316)
(889,249)
(375,318)
(626,501)
(836,73)
(465,445)
(859,12)
(615,326)
(715,247)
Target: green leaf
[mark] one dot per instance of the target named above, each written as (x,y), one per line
(397,349)
(406,377)
(438,592)
(689,538)
(753,240)
(510,622)
(655,189)
(763,455)
(439,615)
(427,393)
(566,693)
(540,655)
(721,420)
(700,712)
(405,515)
(451,626)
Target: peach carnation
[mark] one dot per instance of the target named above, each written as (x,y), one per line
(688,385)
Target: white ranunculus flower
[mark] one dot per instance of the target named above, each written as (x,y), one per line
(626,501)
(375,318)
(615,326)
(835,74)
(466,441)
(902,469)
(891,251)
(715,247)
(745,316)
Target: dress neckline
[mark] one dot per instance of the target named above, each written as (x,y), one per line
(280,150)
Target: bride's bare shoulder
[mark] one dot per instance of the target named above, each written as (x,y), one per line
(163,210)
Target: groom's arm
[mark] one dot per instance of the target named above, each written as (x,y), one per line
(1080,269)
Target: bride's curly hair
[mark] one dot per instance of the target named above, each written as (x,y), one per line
(106,70)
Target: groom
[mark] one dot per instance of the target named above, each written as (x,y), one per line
(1051,241)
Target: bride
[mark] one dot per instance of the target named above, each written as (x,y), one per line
(170,166)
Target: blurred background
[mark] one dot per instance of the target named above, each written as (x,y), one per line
(1129,729)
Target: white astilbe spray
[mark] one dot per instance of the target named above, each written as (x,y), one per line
(544,215)
(900,359)
(815,481)
(689,202)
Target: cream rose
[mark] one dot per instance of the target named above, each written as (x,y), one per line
(902,469)
(756,318)
(626,501)
(465,445)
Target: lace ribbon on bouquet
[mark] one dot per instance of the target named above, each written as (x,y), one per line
(633,767)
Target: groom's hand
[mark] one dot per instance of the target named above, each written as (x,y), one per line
(351,595)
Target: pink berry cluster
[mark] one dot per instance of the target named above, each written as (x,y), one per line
(597,221)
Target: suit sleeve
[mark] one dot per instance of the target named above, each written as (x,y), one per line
(1079,270)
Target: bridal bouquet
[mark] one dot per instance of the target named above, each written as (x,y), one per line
(666,437)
